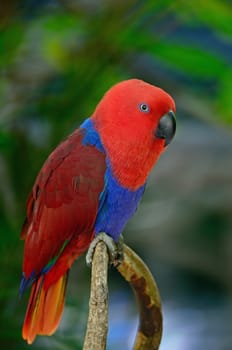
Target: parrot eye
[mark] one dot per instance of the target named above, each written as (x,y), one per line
(144,108)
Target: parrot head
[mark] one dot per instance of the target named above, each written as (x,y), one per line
(136,121)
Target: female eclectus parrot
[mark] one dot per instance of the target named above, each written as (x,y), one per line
(91,183)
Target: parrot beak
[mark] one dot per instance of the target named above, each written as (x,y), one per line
(167,127)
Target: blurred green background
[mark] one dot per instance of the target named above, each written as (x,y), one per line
(57,58)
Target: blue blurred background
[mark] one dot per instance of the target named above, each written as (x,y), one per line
(57,58)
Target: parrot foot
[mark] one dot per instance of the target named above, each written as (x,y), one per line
(115,249)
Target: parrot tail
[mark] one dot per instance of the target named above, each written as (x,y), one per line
(44,309)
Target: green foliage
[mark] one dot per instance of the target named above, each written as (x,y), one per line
(10,39)
(214,14)
(224,97)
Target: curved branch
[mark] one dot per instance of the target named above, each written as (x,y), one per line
(134,270)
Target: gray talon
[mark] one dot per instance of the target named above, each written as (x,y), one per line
(115,250)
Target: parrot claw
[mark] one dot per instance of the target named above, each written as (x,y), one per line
(115,249)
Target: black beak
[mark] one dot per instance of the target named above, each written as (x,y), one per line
(167,127)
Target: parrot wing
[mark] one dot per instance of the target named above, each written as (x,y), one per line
(62,207)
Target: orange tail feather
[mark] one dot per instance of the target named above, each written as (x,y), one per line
(44,309)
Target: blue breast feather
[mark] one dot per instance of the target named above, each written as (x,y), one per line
(116,203)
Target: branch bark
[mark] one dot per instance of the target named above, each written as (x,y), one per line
(97,326)
(135,271)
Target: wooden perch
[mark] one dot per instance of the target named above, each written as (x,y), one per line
(134,270)
(97,326)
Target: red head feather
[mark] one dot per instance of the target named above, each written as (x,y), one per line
(127,118)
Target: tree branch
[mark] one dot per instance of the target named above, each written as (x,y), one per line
(97,326)
(134,270)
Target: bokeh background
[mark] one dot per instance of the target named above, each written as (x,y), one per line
(57,58)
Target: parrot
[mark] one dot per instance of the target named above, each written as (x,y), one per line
(91,183)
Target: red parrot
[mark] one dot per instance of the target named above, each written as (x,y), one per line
(91,183)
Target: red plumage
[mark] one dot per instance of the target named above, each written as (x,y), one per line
(128,134)
(61,207)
